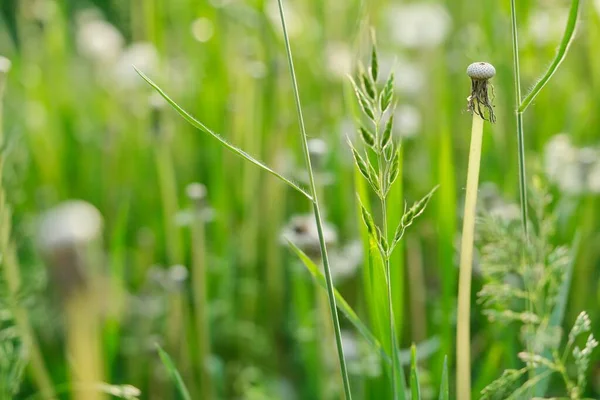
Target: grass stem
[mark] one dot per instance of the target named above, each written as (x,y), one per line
(463,340)
(316,210)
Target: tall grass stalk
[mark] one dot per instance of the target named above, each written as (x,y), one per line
(521,106)
(463,336)
(316,209)
(199,284)
(519,112)
(12,276)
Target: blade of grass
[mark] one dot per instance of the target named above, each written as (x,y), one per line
(342,305)
(316,209)
(444,390)
(175,376)
(199,125)
(415,388)
(561,53)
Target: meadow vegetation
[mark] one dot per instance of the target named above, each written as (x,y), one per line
(268,199)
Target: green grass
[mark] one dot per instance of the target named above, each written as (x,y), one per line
(73,129)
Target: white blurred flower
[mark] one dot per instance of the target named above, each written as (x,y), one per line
(409,77)
(339,60)
(5,65)
(407,121)
(419,25)
(97,39)
(546,26)
(65,234)
(560,164)
(302,231)
(573,170)
(202,29)
(69,224)
(345,262)
(144,56)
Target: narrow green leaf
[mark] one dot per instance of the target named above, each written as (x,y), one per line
(415,388)
(385,98)
(417,209)
(368,86)
(389,151)
(366,136)
(444,389)
(386,138)
(368,220)
(175,376)
(360,162)
(561,53)
(374,63)
(374,179)
(199,125)
(363,100)
(342,305)
(394,168)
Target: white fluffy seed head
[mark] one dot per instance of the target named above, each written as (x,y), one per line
(481,70)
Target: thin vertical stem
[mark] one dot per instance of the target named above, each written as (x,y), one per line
(316,209)
(388,278)
(520,147)
(520,136)
(463,336)
(199,280)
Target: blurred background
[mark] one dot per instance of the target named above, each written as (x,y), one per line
(79,123)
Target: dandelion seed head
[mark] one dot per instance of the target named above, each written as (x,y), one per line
(481,70)
(71,224)
(97,39)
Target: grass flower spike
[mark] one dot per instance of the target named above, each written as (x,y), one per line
(479,73)
(481,91)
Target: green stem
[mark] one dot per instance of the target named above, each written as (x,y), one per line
(200,304)
(316,210)
(520,135)
(463,339)
(393,337)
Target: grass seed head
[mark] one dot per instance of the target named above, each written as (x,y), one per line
(481,97)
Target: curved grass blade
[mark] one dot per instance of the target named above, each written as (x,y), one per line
(199,125)
(342,305)
(444,390)
(561,53)
(175,376)
(415,388)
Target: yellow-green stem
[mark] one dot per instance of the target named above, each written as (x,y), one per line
(463,340)
(200,305)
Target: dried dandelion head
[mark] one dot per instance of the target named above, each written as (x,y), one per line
(482,92)
(66,234)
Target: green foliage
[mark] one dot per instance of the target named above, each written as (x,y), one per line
(174,374)
(523,287)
